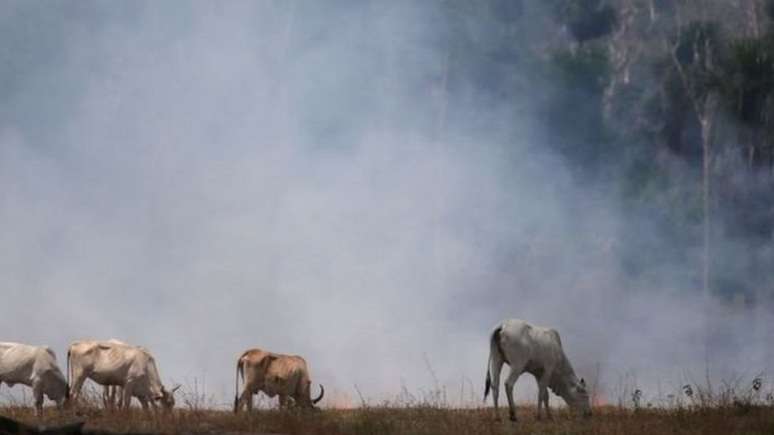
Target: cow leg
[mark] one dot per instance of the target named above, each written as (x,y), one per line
(79,377)
(543,398)
(118,396)
(545,402)
(126,397)
(118,399)
(112,396)
(543,392)
(245,400)
(249,401)
(106,396)
(144,402)
(37,392)
(514,374)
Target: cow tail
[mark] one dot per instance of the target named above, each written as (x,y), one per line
(69,376)
(319,398)
(68,366)
(488,383)
(239,370)
(494,346)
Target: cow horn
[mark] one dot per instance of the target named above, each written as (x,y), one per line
(319,398)
(175,388)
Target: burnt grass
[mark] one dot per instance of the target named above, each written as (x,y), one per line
(408,420)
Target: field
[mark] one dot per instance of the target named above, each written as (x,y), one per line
(414,420)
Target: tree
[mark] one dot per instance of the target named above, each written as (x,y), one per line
(693,55)
(573,112)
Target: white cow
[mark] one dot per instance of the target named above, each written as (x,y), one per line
(538,351)
(113,363)
(36,367)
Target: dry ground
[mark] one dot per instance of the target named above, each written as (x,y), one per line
(416,420)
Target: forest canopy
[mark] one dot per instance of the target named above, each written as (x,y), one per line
(668,102)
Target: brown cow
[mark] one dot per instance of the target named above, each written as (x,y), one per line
(286,376)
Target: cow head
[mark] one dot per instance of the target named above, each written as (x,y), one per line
(306,400)
(56,388)
(578,397)
(167,398)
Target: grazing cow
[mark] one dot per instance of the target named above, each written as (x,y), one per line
(284,375)
(113,363)
(36,367)
(538,351)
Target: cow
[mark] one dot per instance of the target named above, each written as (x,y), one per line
(113,363)
(36,367)
(538,351)
(286,376)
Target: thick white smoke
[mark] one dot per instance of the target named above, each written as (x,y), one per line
(204,178)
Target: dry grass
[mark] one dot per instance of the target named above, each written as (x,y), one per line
(753,419)
(732,407)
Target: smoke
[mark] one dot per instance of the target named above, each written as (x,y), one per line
(203,178)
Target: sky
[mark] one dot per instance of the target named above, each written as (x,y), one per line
(203,178)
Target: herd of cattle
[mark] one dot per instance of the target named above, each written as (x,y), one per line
(130,372)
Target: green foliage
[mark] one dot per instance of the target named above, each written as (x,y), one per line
(574,110)
(586,19)
(769,9)
(587,70)
(629,103)
(698,50)
(697,42)
(748,79)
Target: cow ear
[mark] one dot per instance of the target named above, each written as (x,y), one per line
(583,382)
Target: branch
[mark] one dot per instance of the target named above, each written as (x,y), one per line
(684,79)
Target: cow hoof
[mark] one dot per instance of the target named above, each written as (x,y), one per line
(514,419)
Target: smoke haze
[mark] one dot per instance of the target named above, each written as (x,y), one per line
(202,178)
